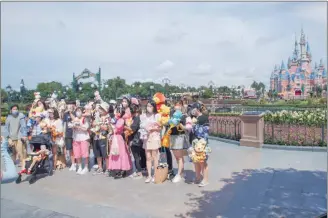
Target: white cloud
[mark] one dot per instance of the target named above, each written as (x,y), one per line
(203,69)
(165,66)
(130,39)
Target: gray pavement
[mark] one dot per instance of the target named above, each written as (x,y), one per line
(244,182)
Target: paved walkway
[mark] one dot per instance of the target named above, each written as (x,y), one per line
(244,182)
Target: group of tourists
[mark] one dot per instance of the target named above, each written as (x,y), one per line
(127,139)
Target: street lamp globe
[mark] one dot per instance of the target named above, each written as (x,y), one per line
(92,85)
(106,86)
(67,88)
(80,88)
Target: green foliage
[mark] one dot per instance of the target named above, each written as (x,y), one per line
(307,118)
(47,89)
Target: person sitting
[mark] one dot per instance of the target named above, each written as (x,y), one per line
(38,156)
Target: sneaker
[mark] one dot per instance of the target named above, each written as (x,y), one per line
(133,175)
(98,172)
(196,181)
(203,184)
(177,179)
(95,166)
(149,179)
(79,171)
(84,171)
(73,167)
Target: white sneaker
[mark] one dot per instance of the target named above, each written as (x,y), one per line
(79,171)
(95,166)
(73,167)
(84,171)
(149,179)
(177,179)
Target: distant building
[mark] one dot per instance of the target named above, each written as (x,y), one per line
(299,76)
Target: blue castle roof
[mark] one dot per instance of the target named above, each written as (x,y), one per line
(282,67)
(324,73)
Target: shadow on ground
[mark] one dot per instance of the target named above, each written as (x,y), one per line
(263,193)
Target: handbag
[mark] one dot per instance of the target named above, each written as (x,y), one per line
(161,172)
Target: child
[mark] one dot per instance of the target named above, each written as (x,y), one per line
(200,131)
(38,156)
(119,161)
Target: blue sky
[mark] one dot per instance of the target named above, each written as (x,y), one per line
(191,43)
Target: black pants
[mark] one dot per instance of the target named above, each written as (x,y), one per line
(168,157)
(139,157)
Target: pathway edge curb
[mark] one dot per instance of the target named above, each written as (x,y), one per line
(275,147)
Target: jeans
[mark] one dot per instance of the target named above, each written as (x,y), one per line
(139,157)
(10,174)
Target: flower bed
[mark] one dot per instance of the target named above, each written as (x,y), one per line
(302,128)
(305,128)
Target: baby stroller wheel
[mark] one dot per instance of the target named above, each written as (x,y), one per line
(19,179)
(32,179)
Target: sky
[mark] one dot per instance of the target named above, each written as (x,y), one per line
(190,43)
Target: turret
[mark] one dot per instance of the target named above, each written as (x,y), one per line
(289,61)
(315,65)
(303,45)
(308,50)
(295,53)
(321,63)
(282,67)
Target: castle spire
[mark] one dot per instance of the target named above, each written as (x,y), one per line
(282,67)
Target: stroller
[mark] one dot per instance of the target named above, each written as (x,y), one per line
(42,166)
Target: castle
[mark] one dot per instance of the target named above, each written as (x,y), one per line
(299,77)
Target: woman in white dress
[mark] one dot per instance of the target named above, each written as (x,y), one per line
(150,129)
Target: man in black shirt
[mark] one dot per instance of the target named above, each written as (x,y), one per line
(67,119)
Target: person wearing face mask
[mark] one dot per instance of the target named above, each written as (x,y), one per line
(152,140)
(81,141)
(100,130)
(17,134)
(68,132)
(119,161)
(179,141)
(56,128)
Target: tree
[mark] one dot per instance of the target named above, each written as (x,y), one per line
(4,96)
(208,93)
(116,87)
(47,89)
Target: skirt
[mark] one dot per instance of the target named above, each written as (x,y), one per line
(153,142)
(179,142)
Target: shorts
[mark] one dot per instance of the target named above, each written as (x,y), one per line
(19,147)
(100,148)
(179,142)
(81,149)
(69,144)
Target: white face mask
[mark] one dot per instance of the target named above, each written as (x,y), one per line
(78,114)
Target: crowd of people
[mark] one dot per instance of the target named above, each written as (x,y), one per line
(127,139)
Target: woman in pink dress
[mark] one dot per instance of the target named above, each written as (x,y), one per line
(119,161)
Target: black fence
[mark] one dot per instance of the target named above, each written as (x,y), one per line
(228,127)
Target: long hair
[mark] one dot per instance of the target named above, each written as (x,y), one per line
(121,110)
(152,103)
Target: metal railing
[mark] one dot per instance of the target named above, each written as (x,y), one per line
(298,135)
(228,127)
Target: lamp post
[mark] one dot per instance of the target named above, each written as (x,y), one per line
(151,91)
(22,90)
